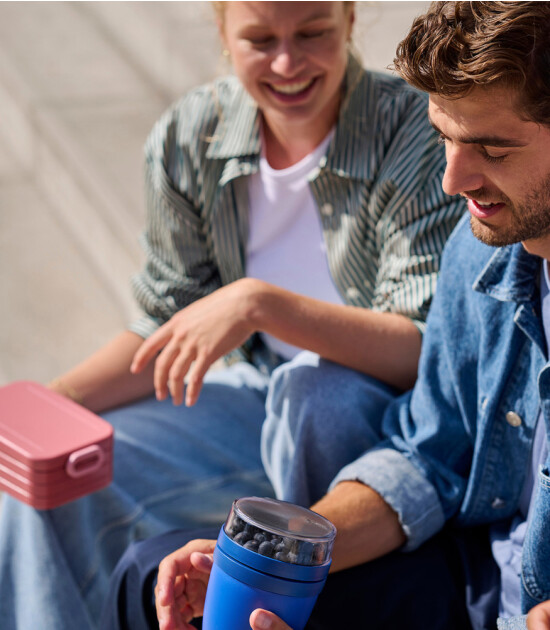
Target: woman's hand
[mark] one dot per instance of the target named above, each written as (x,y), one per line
(265,620)
(181,584)
(195,338)
(539,617)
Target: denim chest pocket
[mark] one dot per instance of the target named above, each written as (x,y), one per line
(536,547)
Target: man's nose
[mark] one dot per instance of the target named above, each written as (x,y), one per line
(463,171)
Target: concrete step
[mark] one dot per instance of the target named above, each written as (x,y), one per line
(55,310)
(75,113)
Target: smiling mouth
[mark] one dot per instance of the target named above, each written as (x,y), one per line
(291,89)
(482,209)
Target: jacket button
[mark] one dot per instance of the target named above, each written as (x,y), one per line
(353,293)
(513,419)
(327,209)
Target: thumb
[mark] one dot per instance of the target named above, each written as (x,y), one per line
(264,620)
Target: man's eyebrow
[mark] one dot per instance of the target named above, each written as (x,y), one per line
(487,141)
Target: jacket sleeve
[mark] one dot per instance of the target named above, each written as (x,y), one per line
(179,266)
(421,468)
(415,216)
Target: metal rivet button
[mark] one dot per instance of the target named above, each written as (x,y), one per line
(513,419)
(498,503)
(327,209)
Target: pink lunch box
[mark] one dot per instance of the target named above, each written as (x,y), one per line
(52,450)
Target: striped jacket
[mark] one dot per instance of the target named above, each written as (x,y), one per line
(385,218)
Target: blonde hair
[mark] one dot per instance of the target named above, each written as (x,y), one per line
(220,7)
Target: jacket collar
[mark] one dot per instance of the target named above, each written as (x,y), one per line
(511,275)
(240,138)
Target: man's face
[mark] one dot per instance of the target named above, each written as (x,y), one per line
(500,163)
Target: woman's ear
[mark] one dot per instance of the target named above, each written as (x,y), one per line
(351,22)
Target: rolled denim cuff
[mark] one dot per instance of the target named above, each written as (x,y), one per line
(513,623)
(403,487)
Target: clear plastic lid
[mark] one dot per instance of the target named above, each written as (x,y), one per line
(281,530)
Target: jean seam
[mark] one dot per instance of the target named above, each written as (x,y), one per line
(141,509)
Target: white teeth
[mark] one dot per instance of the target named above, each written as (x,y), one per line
(292,88)
(484,205)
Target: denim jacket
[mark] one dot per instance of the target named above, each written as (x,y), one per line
(457,447)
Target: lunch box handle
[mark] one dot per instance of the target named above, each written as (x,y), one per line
(85,461)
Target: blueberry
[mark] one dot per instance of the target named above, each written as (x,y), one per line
(241,538)
(304,557)
(281,555)
(292,558)
(260,537)
(266,548)
(252,545)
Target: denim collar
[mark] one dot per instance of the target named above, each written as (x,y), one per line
(239,142)
(511,275)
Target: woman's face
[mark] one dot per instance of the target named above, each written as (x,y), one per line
(291,57)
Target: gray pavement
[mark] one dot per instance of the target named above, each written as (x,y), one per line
(81,84)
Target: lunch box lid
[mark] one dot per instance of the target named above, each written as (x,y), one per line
(44,430)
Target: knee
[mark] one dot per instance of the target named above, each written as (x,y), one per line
(310,385)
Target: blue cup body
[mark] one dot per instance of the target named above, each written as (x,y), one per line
(242,580)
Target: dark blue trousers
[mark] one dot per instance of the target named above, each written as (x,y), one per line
(449,583)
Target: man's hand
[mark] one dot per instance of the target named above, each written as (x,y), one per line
(539,617)
(265,620)
(181,584)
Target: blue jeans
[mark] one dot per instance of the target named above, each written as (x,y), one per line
(174,467)
(449,583)
(320,417)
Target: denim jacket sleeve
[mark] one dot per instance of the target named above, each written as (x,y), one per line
(513,623)
(422,467)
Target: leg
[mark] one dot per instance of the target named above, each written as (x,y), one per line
(449,583)
(320,417)
(173,467)
(130,603)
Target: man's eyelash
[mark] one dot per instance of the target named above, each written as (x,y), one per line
(492,159)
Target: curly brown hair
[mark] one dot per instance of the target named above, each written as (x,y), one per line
(457,46)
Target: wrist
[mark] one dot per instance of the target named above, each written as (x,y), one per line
(60,386)
(254,297)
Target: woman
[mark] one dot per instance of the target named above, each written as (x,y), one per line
(294,206)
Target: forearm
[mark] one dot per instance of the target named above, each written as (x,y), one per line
(104,380)
(367,526)
(383,345)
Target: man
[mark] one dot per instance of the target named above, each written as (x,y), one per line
(450,515)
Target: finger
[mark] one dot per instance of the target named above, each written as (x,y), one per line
(264,620)
(163,367)
(202,561)
(150,347)
(177,374)
(539,617)
(195,380)
(168,571)
(178,563)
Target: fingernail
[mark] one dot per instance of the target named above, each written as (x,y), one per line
(263,621)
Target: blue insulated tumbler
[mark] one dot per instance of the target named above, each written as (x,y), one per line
(270,554)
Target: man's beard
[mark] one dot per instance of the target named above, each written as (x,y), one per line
(530,218)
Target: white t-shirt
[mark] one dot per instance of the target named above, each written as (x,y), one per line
(285,243)
(507,543)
